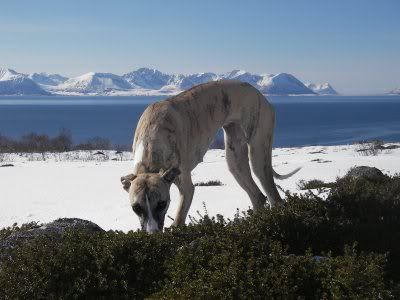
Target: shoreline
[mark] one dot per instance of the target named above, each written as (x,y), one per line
(94,95)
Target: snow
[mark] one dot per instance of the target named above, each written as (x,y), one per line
(146,78)
(93,83)
(79,184)
(143,81)
(322,89)
(234,74)
(46,79)
(283,84)
(13,83)
(187,82)
(395,92)
(7,74)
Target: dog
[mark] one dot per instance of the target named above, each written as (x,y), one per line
(173,135)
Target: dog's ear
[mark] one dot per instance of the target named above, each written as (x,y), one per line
(127,180)
(170,174)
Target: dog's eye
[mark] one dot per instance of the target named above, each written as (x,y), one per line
(137,209)
(161,205)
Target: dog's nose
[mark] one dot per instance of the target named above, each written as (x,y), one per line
(152,227)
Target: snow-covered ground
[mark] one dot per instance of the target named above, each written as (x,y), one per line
(83,185)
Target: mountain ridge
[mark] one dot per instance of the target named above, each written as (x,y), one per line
(394,92)
(322,88)
(47,79)
(147,81)
(14,83)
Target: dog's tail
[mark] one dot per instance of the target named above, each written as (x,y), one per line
(281,177)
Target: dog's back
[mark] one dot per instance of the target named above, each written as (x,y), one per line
(187,123)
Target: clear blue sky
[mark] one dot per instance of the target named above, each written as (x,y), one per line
(354,44)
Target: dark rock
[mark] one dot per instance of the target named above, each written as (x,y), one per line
(370,173)
(99,153)
(6,165)
(55,228)
(321,161)
(317,152)
(390,147)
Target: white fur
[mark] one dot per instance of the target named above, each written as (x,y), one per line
(151,225)
(138,156)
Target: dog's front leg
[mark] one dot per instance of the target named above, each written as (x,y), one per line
(186,190)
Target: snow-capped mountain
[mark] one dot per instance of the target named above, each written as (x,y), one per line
(282,84)
(186,82)
(13,83)
(151,79)
(145,81)
(93,83)
(395,92)
(148,79)
(47,79)
(322,89)
(279,84)
(269,84)
(243,76)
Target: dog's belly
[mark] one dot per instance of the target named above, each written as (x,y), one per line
(199,147)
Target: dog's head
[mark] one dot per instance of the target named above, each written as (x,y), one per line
(149,196)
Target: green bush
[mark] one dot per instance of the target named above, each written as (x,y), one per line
(371,212)
(80,264)
(296,251)
(313,184)
(216,270)
(209,183)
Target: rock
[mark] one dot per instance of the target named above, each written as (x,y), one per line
(55,228)
(390,147)
(99,153)
(6,165)
(370,173)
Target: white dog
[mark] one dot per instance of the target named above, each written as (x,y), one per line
(173,135)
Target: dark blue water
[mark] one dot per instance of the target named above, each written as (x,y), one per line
(307,120)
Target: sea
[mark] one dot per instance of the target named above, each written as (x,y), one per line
(300,120)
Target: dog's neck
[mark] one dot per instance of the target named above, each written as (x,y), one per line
(140,168)
(147,160)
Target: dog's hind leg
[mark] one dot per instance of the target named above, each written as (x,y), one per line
(261,155)
(236,149)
